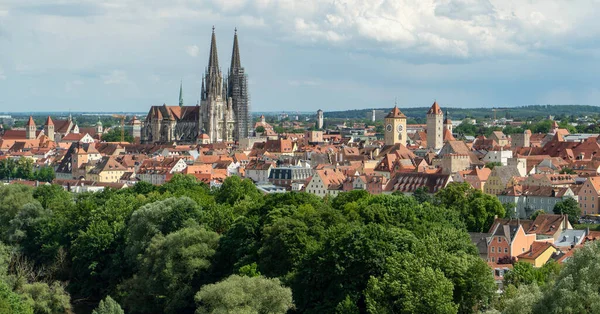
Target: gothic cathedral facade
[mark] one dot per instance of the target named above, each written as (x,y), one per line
(223,114)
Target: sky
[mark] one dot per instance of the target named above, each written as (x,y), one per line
(300,55)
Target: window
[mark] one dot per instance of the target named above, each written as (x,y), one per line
(493,248)
(505,250)
(499,239)
(493,259)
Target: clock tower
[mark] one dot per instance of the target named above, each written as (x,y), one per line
(395,127)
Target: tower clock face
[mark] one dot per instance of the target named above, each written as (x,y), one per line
(400,128)
(389,128)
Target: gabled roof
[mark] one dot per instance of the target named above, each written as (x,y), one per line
(499,222)
(547,224)
(537,249)
(107,164)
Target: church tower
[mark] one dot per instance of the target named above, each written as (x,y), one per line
(319,119)
(448,123)
(395,127)
(30,129)
(49,128)
(217,118)
(237,91)
(435,132)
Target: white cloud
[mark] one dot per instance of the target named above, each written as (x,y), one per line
(192,50)
(116,77)
(2,76)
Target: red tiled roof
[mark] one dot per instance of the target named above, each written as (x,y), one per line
(30,122)
(395,113)
(435,109)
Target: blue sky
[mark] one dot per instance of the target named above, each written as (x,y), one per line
(109,55)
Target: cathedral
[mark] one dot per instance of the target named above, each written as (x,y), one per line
(223,114)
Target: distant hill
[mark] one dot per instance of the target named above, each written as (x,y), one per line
(522,112)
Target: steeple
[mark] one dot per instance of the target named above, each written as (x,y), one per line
(235,55)
(213,60)
(181,94)
(30,129)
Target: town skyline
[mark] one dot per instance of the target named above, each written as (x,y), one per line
(128,56)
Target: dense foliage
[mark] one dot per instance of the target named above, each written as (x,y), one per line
(570,207)
(22,168)
(184,248)
(114,135)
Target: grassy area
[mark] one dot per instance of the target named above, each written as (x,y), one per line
(593,227)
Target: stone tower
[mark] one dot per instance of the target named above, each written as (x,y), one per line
(448,123)
(395,127)
(49,128)
(136,127)
(217,117)
(237,91)
(319,119)
(30,129)
(435,132)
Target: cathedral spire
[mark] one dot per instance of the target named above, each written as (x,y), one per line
(181,94)
(213,61)
(235,55)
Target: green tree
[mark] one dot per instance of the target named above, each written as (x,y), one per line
(45,174)
(96,249)
(537,213)
(568,206)
(11,302)
(114,135)
(235,189)
(245,295)
(525,274)
(576,289)
(493,164)
(405,288)
(44,298)
(27,229)
(108,306)
(344,263)
(422,195)
(161,217)
(171,269)
(51,196)
(12,199)
(476,208)
(517,300)
(24,168)
(7,169)
(567,170)
(260,129)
